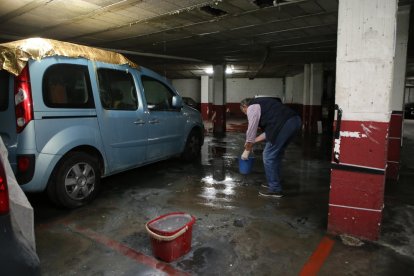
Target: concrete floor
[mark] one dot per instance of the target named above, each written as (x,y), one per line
(236,231)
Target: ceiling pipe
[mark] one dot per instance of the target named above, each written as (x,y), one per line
(135,53)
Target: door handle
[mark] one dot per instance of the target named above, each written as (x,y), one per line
(155,121)
(139,122)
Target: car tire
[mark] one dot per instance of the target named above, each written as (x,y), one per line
(76,180)
(192,147)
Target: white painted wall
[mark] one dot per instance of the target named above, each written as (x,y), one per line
(188,88)
(236,88)
(294,89)
(240,88)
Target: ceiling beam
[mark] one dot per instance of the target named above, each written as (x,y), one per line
(129,24)
(109,8)
(24,9)
(135,53)
(301,17)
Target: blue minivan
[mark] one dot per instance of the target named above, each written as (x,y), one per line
(72,114)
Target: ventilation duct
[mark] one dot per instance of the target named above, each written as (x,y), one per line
(213,11)
(269,3)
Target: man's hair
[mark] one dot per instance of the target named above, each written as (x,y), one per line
(246,101)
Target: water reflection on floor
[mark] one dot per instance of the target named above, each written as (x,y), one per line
(237,232)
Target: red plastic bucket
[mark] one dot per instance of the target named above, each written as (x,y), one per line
(171,235)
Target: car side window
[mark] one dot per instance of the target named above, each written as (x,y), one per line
(117,90)
(157,94)
(67,86)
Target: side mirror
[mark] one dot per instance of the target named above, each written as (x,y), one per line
(177,101)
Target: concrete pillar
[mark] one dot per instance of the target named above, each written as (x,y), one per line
(205,99)
(397,97)
(306,98)
(218,116)
(294,92)
(315,98)
(364,69)
(312,97)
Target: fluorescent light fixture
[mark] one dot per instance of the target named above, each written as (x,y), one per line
(229,70)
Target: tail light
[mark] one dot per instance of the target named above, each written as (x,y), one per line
(23,100)
(25,168)
(4,194)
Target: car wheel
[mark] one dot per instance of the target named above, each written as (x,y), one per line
(76,180)
(192,146)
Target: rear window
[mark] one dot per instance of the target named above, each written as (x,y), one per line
(4,90)
(67,86)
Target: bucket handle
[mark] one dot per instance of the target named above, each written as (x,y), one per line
(166,238)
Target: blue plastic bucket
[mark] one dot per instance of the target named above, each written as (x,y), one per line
(245,166)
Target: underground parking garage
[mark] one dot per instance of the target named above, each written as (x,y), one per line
(344,67)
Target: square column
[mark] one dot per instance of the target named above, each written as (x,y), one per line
(397,98)
(205,98)
(312,97)
(219,97)
(364,68)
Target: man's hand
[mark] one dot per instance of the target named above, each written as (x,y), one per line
(260,138)
(245,155)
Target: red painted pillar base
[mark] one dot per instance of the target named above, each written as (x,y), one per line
(394,145)
(218,118)
(357,181)
(206,109)
(355,203)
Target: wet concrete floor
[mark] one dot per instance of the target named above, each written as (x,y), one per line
(236,232)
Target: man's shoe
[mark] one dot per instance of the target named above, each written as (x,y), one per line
(265,186)
(271,194)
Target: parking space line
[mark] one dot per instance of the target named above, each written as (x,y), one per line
(128,252)
(318,257)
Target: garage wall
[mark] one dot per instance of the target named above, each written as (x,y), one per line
(188,88)
(236,90)
(240,88)
(294,89)
(294,92)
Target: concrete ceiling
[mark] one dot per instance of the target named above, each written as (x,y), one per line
(181,38)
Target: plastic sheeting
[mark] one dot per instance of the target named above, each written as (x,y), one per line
(14,55)
(20,208)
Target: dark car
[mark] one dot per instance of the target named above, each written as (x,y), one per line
(17,257)
(409,111)
(191,103)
